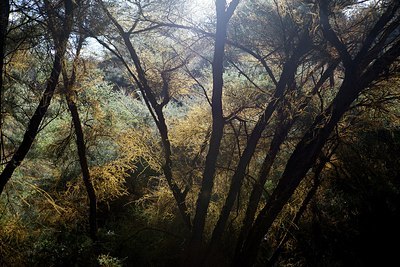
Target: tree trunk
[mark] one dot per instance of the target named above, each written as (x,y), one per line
(163,130)
(299,163)
(285,80)
(307,150)
(256,193)
(359,74)
(317,181)
(204,196)
(194,247)
(69,83)
(279,137)
(80,143)
(60,41)
(4,15)
(158,116)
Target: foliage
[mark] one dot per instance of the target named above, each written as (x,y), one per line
(307,135)
(108,261)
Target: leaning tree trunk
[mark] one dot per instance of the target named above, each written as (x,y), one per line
(156,111)
(299,163)
(4,15)
(60,37)
(360,72)
(280,136)
(303,207)
(69,83)
(80,143)
(237,179)
(306,152)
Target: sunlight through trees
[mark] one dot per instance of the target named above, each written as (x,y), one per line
(199,133)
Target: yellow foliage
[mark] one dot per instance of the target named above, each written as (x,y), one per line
(180,84)
(158,204)
(190,132)
(21,61)
(109,179)
(137,145)
(13,230)
(13,235)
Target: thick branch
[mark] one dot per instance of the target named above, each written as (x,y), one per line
(386,17)
(331,35)
(308,148)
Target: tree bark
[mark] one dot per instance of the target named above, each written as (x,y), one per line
(203,200)
(309,147)
(255,196)
(217,125)
(4,16)
(300,161)
(80,143)
(194,252)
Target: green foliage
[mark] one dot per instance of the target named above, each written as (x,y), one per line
(44,208)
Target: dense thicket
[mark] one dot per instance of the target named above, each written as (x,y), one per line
(234,133)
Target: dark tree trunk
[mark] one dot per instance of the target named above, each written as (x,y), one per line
(256,193)
(359,74)
(163,130)
(217,126)
(285,80)
(299,163)
(203,200)
(60,40)
(157,113)
(167,168)
(280,136)
(4,15)
(309,147)
(69,83)
(194,255)
(303,207)
(80,142)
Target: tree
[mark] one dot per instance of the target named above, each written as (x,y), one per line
(246,114)
(4,14)
(359,66)
(60,38)
(307,44)
(69,82)
(224,13)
